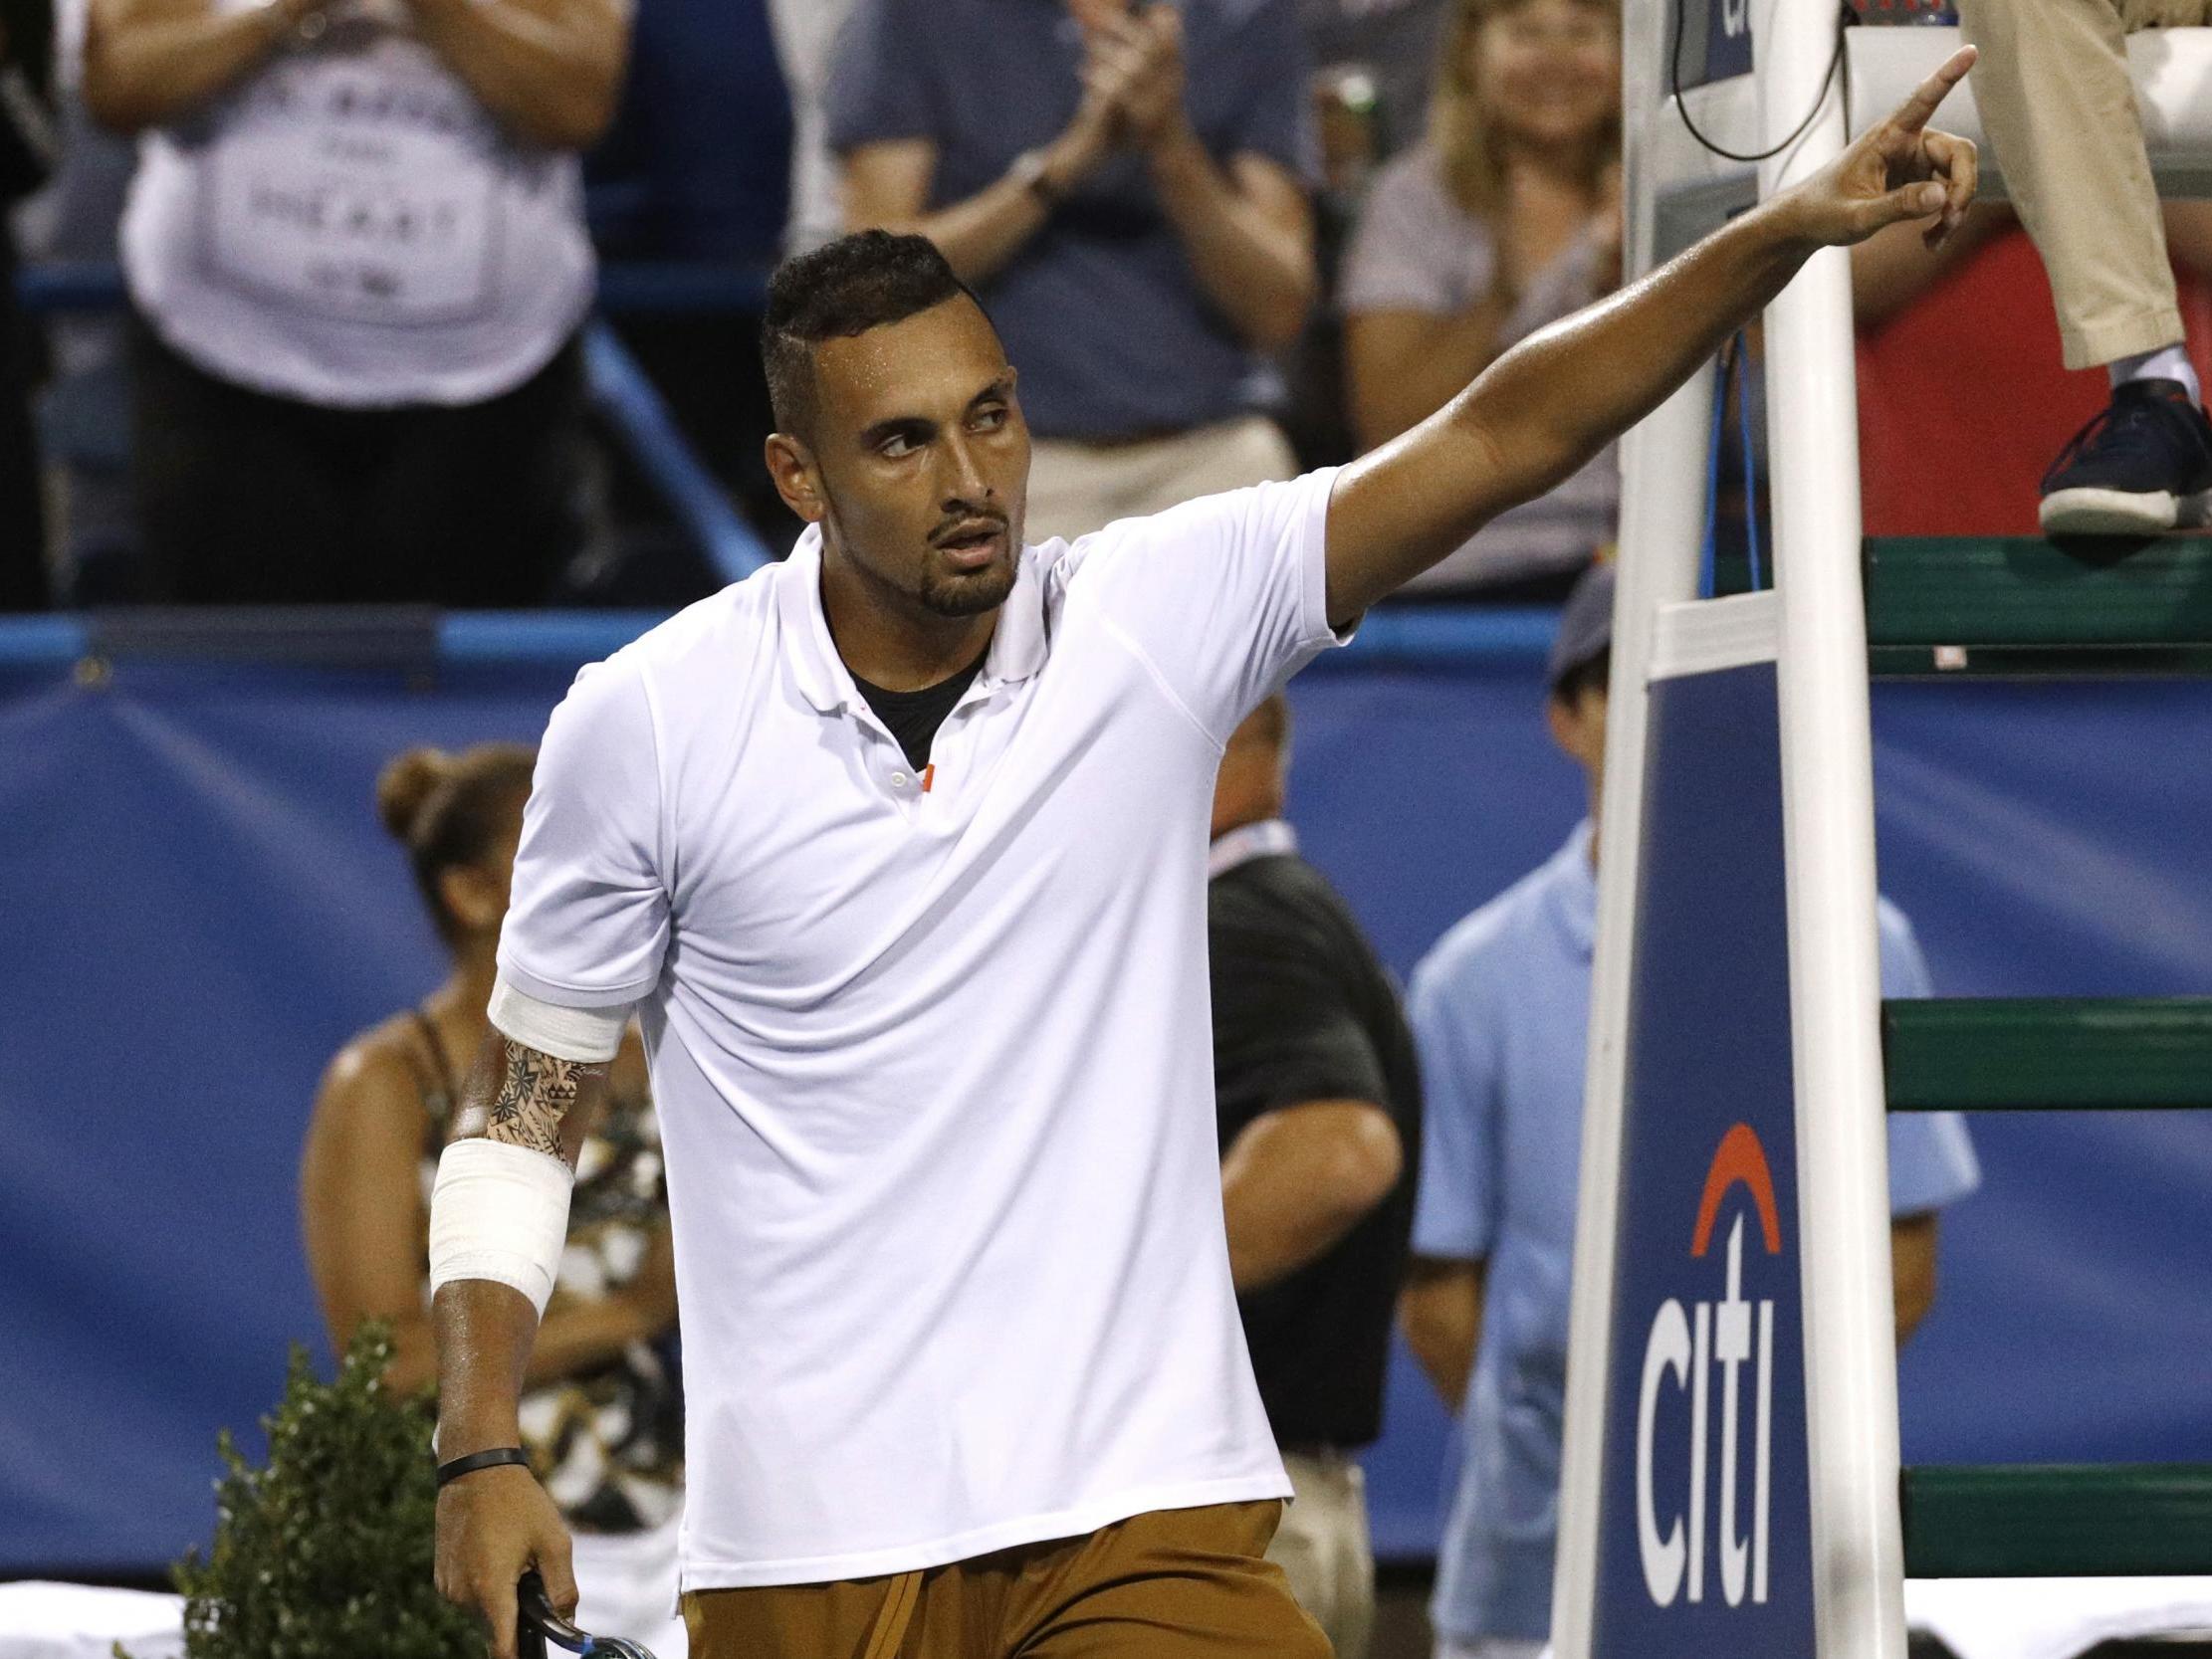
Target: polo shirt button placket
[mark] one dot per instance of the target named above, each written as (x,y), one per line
(905,793)
(950,746)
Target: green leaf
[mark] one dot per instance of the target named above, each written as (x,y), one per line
(326,1551)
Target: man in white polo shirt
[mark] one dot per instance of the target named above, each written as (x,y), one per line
(898,850)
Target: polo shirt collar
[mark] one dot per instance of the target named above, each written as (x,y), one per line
(1017,644)
(1268,838)
(1574,891)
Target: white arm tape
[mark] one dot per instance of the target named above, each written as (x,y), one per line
(584,1034)
(499,1212)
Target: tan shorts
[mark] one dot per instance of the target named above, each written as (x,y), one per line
(1172,1585)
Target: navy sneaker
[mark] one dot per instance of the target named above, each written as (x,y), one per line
(2142,466)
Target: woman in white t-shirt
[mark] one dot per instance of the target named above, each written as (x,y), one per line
(355,243)
(1507,218)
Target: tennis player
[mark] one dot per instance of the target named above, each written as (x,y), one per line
(898,850)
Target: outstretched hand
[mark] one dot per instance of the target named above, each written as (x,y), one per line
(1898,169)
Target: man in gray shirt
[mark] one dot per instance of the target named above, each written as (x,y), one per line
(1125,187)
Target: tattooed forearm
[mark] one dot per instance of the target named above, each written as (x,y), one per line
(534,1095)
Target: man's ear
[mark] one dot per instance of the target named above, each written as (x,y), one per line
(797,480)
(1559,714)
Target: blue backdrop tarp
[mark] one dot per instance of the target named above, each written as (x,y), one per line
(200,906)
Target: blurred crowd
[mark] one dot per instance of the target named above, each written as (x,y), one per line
(1225,241)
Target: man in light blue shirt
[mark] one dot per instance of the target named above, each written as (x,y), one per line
(1500,1010)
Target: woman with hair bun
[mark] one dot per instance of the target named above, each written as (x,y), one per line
(601,1414)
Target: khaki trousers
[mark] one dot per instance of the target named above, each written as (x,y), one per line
(1171,1584)
(1323,1548)
(2060,111)
(1075,489)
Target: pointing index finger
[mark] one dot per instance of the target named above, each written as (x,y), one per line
(1913,113)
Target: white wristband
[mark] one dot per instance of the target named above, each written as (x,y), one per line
(499,1212)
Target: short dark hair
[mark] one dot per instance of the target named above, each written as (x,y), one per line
(1592,674)
(843,288)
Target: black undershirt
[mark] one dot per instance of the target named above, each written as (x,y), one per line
(914,717)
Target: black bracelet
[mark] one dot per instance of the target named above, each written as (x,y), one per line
(448,1471)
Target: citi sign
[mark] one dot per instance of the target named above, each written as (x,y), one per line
(1723,1348)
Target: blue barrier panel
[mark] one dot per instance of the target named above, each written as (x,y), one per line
(1510,641)
(200,907)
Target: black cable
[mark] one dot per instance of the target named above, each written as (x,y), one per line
(1675,86)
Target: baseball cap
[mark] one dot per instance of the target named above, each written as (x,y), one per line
(1585,625)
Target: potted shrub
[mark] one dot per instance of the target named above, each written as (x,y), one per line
(326,1551)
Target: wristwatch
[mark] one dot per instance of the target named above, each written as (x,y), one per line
(1033,170)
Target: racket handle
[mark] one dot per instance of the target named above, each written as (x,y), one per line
(539,1622)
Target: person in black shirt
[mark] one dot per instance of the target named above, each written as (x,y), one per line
(1319,1102)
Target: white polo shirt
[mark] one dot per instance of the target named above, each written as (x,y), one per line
(933,1065)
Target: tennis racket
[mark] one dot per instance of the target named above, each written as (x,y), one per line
(540,1625)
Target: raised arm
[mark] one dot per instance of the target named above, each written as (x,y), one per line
(1248,232)
(548,70)
(1551,402)
(886,183)
(887,187)
(1247,227)
(495,1229)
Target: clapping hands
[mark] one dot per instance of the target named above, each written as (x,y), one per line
(1133,62)
(1132,73)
